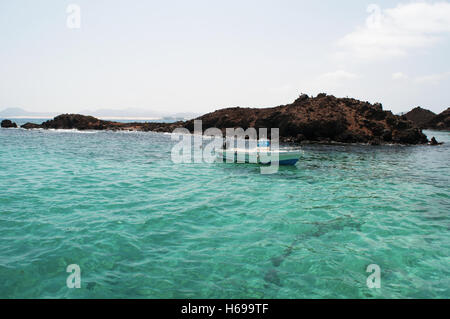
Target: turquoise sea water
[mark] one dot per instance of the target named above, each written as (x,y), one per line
(140,226)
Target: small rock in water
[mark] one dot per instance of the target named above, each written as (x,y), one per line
(29,126)
(8,124)
(434,142)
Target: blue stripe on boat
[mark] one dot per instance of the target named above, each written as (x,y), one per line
(289,162)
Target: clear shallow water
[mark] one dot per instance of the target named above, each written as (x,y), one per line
(141,226)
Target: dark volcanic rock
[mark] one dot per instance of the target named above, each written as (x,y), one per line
(440,121)
(324,118)
(31,126)
(77,121)
(420,117)
(434,142)
(409,136)
(83,122)
(8,124)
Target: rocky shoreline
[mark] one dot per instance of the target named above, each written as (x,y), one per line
(321,119)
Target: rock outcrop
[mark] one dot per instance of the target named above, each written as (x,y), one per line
(440,121)
(8,124)
(31,126)
(77,121)
(434,142)
(83,122)
(322,119)
(420,117)
(426,119)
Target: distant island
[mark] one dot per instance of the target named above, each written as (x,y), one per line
(106,114)
(320,119)
(426,119)
(17,112)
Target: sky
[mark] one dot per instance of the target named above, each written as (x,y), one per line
(199,56)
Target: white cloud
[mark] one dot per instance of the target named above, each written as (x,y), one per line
(432,78)
(339,75)
(423,79)
(399,76)
(394,32)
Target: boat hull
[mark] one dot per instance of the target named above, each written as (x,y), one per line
(284,158)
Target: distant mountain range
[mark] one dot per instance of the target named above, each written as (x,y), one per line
(15,112)
(129,113)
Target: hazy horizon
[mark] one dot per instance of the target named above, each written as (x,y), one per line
(197,57)
(126,113)
(129,113)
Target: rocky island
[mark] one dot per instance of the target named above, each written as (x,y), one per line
(426,119)
(420,116)
(440,121)
(324,118)
(320,119)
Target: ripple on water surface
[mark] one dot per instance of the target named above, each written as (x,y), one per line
(141,226)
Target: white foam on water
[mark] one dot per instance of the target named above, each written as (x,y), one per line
(52,130)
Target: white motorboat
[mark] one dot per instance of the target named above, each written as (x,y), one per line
(262,154)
